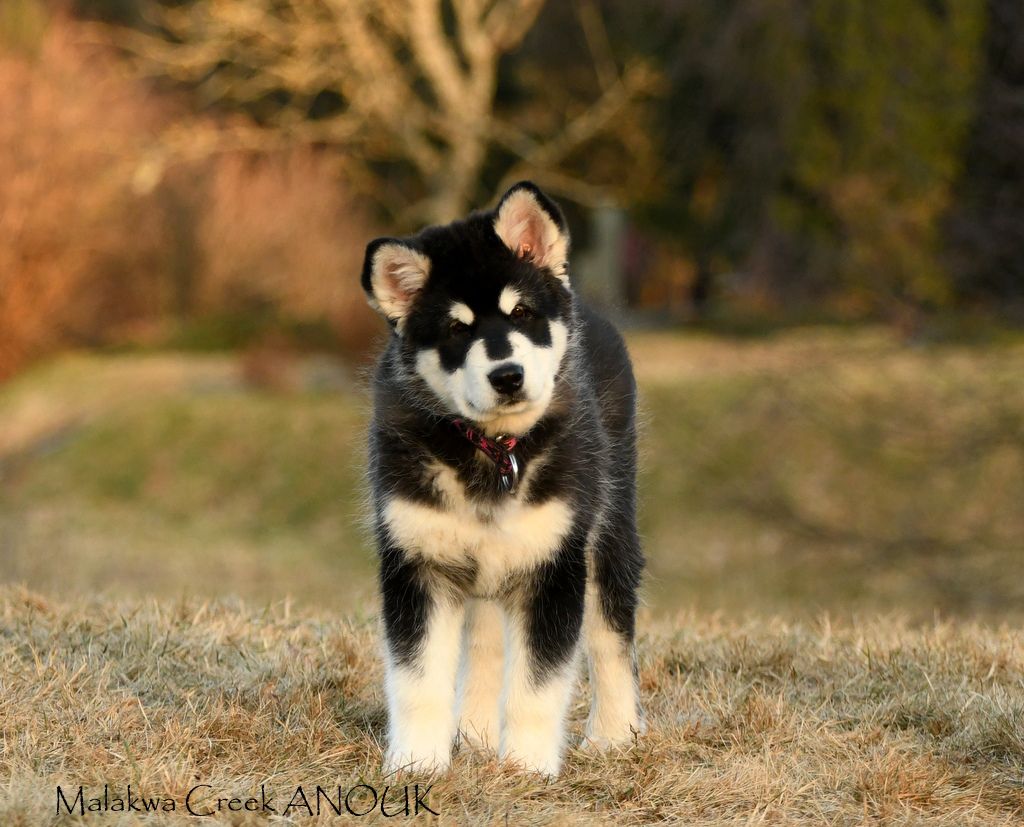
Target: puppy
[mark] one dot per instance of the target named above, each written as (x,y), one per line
(502,463)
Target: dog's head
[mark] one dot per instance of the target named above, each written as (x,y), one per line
(482,307)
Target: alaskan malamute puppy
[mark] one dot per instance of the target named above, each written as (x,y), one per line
(503,478)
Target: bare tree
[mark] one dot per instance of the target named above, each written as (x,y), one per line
(407,83)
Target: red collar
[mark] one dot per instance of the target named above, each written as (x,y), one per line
(498,449)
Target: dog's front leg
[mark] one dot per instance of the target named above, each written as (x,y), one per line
(543,643)
(423,628)
(610,627)
(481,676)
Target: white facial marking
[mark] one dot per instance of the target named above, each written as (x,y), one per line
(445,386)
(478,393)
(461,312)
(508,300)
(468,392)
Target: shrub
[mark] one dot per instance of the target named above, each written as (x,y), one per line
(80,246)
(110,233)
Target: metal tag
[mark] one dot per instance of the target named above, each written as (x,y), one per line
(509,481)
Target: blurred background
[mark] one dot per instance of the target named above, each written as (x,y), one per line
(808,215)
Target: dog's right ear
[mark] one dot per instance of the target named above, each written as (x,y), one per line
(394,273)
(532,226)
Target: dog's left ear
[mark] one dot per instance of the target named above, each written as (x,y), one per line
(394,273)
(532,226)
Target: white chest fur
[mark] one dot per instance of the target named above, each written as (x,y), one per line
(497,540)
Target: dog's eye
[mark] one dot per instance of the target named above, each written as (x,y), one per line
(521,311)
(455,327)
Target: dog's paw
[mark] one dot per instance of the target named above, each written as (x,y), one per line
(541,757)
(483,738)
(400,760)
(602,743)
(539,765)
(617,737)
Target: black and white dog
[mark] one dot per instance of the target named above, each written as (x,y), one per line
(503,478)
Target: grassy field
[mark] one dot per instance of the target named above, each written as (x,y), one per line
(816,470)
(750,723)
(835,529)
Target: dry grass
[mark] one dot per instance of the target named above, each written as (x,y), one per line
(834,469)
(825,468)
(811,471)
(763,722)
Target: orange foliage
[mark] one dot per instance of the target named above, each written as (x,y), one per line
(278,231)
(70,224)
(100,236)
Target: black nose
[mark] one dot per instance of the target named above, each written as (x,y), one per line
(507,378)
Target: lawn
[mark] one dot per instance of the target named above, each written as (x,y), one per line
(835,532)
(815,470)
(749,722)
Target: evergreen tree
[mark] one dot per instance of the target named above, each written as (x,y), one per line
(987,227)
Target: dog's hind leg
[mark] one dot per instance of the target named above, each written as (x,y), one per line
(615,715)
(423,630)
(542,660)
(481,674)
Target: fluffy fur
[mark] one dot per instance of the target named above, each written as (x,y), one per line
(488,596)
